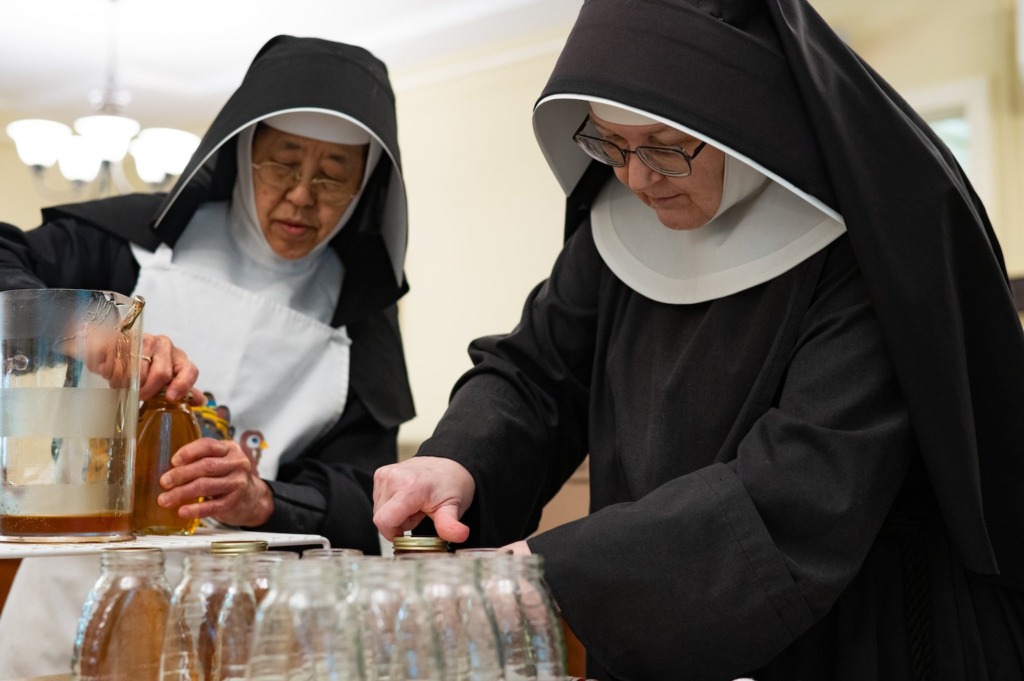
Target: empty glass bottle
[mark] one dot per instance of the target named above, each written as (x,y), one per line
(396,633)
(238,612)
(544,628)
(190,640)
(499,582)
(330,552)
(530,632)
(466,633)
(261,567)
(417,653)
(121,630)
(303,630)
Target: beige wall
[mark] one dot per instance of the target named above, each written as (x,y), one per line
(19,202)
(486,213)
(921,45)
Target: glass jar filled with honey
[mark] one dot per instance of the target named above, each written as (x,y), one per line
(164,426)
(121,630)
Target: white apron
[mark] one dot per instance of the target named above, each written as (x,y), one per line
(283,375)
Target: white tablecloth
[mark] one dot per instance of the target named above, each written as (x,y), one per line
(200,541)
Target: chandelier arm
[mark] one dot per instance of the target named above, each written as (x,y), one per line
(39,174)
(118,178)
(102,184)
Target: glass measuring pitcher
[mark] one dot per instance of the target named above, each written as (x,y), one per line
(69,402)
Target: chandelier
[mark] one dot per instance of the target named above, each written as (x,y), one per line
(90,154)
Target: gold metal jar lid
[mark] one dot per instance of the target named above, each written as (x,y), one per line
(241,546)
(408,544)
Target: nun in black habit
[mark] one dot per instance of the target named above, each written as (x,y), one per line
(275,262)
(800,385)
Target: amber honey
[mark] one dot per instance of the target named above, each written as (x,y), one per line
(66,527)
(121,632)
(164,427)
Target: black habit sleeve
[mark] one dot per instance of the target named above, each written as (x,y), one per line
(65,254)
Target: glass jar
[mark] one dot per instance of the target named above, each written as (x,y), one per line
(261,570)
(190,639)
(417,653)
(467,636)
(330,553)
(303,630)
(164,427)
(235,621)
(121,630)
(544,627)
(499,582)
(398,640)
(529,629)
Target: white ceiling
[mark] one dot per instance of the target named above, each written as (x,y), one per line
(180,59)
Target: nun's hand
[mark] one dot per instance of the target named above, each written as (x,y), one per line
(224,477)
(162,365)
(405,493)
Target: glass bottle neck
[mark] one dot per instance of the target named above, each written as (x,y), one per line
(139,561)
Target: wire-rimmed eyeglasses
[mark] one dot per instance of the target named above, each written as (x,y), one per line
(281,176)
(671,161)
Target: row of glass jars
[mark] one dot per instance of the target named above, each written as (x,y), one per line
(334,614)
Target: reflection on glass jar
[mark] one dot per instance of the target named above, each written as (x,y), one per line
(467,636)
(303,629)
(190,640)
(529,630)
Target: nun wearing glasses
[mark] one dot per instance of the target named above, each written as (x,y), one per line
(781,328)
(275,263)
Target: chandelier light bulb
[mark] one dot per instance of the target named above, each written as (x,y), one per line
(111,134)
(162,152)
(80,159)
(38,141)
(99,148)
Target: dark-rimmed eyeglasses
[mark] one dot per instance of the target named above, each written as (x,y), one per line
(671,161)
(281,176)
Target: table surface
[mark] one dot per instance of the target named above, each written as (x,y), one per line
(200,541)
